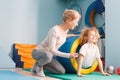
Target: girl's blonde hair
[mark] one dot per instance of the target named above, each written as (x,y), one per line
(84,35)
(70,14)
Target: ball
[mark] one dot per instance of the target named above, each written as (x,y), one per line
(111,69)
(118,70)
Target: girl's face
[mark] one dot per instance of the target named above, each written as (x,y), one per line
(92,38)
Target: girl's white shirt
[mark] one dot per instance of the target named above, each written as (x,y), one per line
(90,53)
(53,41)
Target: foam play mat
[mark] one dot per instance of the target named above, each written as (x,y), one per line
(91,76)
(22,55)
(10,75)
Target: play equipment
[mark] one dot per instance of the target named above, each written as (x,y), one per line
(118,71)
(72,45)
(95,7)
(111,69)
(66,47)
(22,55)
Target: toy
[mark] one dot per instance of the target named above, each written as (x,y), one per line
(111,69)
(118,70)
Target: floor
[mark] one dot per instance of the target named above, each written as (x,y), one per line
(19,70)
(92,76)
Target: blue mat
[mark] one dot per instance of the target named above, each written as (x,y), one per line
(10,75)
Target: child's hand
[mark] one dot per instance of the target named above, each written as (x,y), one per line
(80,75)
(73,55)
(105,74)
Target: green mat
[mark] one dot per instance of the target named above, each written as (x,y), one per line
(10,75)
(92,76)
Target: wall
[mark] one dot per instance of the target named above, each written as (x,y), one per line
(112,42)
(26,21)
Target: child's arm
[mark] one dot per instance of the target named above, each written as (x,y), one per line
(101,67)
(80,60)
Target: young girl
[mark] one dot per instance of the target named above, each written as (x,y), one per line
(89,51)
(43,53)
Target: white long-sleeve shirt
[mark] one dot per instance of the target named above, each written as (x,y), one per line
(53,41)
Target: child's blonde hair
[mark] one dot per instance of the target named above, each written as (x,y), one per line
(85,32)
(70,14)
